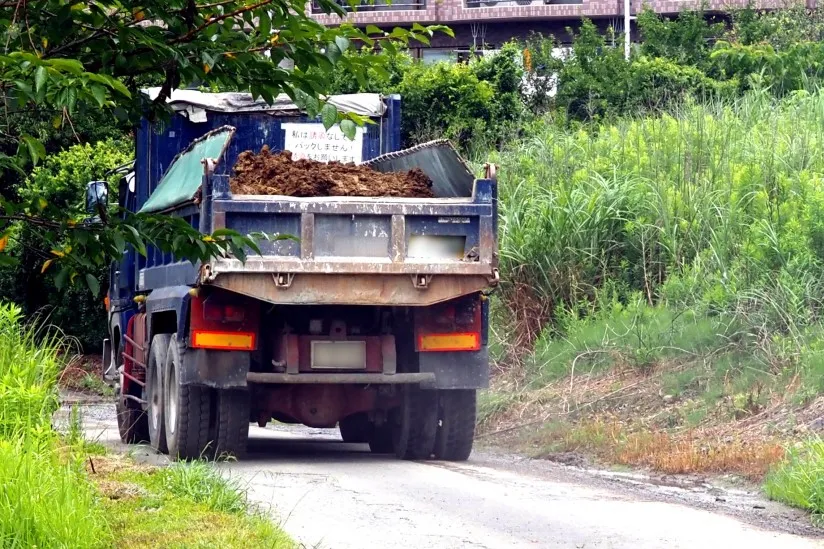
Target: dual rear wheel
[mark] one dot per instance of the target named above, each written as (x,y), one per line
(186,421)
(437,424)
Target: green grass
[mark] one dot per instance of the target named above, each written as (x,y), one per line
(186,505)
(46,499)
(799,481)
(30,361)
(636,335)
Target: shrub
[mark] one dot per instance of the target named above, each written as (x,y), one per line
(592,83)
(445,101)
(61,181)
(762,66)
(685,39)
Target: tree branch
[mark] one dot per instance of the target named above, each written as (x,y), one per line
(214,20)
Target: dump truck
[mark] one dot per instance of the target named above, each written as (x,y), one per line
(373,318)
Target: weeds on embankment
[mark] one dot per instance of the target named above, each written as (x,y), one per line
(661,289)
(799,481)
(61,491)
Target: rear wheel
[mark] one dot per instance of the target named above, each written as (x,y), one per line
(232,429)
(380,439)
(355,428)
(154,391)
(132,422)
(188,411)
(416,424)
(456,429)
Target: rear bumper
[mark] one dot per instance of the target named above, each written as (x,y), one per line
(425,379)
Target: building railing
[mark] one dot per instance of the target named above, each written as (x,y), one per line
(376,5)
(506,3)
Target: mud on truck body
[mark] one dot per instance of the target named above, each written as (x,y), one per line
(374,318)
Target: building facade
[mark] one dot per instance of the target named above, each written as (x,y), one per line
(479,24)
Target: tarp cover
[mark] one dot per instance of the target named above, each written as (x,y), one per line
(451,178)
(183,178)
(364,104)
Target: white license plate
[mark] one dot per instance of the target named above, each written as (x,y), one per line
(339,355)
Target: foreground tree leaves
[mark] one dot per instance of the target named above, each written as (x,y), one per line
(61,56)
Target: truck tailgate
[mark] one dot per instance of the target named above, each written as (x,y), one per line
(352,250)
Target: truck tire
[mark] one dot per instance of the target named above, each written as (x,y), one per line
(132,422)
(416,424)
(456,425)
(232,429)
(154,391)
(380,439)
(355,428)
(188,411)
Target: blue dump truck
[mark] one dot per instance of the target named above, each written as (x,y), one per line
(374,318)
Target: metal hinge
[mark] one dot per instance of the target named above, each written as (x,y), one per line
(283,280)
(421,282)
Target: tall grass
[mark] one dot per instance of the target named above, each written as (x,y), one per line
(799,481)
(45,498)
(716,206)
(30,362)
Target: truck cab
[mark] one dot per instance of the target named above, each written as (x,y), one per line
(373,318)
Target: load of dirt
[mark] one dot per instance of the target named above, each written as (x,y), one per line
(268,173)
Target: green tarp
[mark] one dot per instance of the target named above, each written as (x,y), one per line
(183,178)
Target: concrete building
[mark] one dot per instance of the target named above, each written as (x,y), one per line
(490,23)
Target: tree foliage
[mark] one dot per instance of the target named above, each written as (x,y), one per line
(62,58)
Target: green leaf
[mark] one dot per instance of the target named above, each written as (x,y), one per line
(35,148)
(119,243)
(329,115)
(348,128)
(342,43)
(99,93)
(40,77)
(93,284)
(62,277)
(372,29)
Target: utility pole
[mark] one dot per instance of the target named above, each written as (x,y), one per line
(627,19)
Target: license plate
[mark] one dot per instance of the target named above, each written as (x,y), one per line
(338,355)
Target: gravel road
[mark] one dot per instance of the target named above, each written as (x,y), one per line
(329,494)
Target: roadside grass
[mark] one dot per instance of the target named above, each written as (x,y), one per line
(799,481)
(648,386)
(46,499)
(613,443)
(184,505)
(59,490)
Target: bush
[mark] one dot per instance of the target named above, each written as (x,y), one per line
(445,100)
(61,181)
(761,66)
(686,39)
(661,84)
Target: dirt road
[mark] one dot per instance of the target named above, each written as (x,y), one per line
(334,495)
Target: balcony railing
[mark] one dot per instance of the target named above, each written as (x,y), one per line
(376,5)
(505,3)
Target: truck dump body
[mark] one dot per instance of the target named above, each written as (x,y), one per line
(360,251)
(370,316)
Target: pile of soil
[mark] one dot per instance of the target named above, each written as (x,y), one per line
(267,173)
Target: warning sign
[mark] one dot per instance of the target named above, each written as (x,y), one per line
(316,143)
